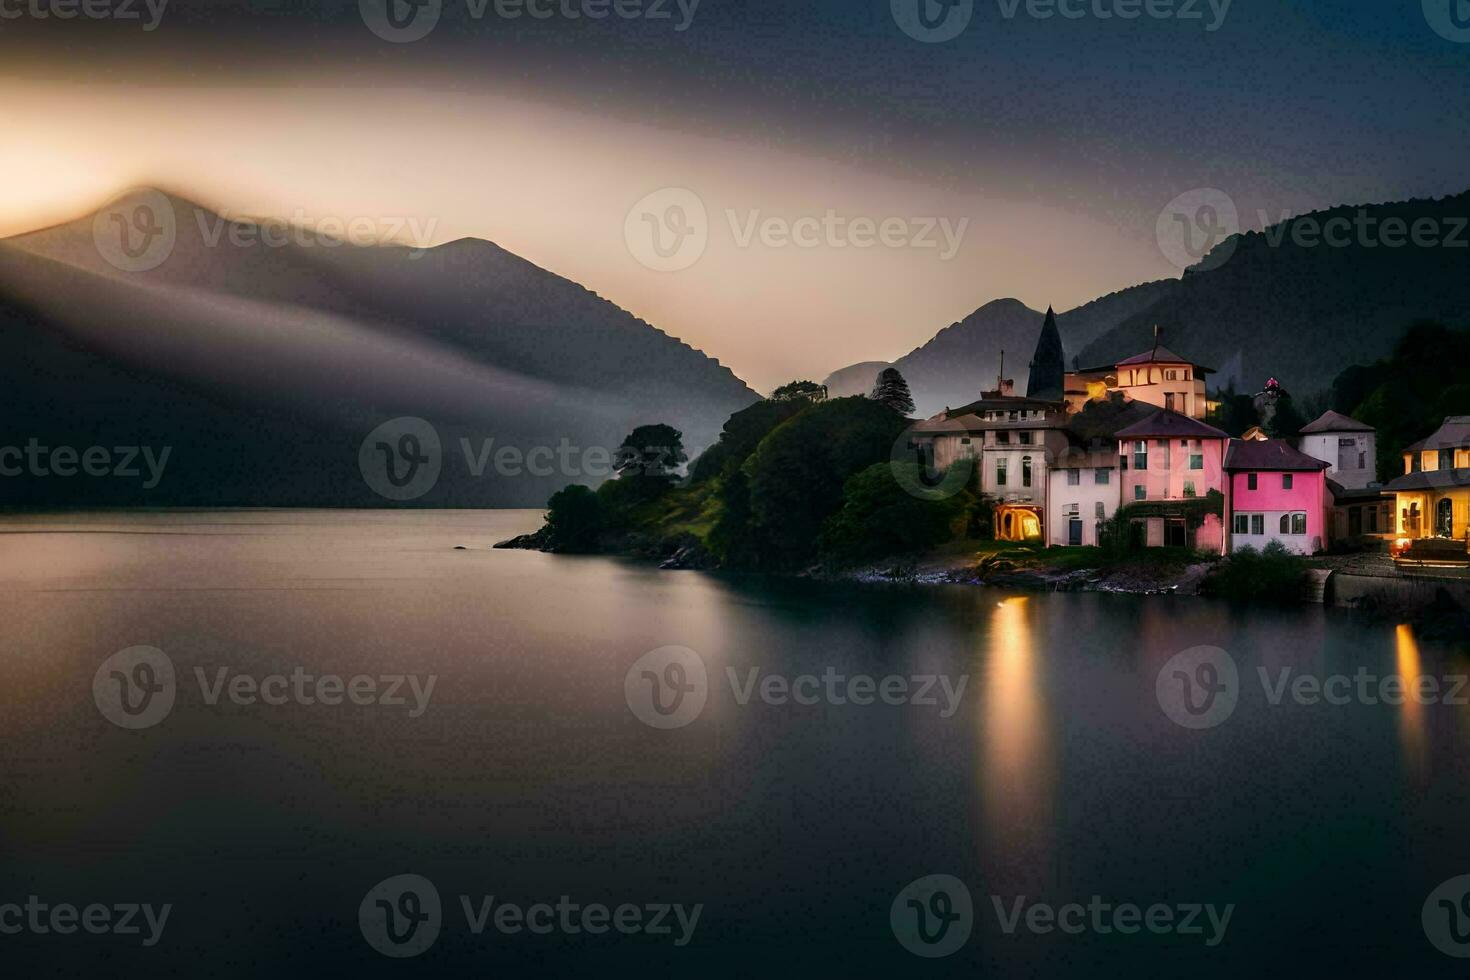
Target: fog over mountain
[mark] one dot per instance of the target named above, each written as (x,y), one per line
(264,366)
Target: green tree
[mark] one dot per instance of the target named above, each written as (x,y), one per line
(650,451)
(893,391)
(879,518)
(740,435)
(795,477)
(573,520)
(809,390)
(1236,413)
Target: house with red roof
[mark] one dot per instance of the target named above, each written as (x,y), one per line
(1157,376)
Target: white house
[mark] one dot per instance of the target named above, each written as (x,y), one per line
(1084,491)
(1347,446)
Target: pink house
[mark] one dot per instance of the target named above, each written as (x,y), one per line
(1166,460)
(1276,494)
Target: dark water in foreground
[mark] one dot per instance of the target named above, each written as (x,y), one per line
(527,777)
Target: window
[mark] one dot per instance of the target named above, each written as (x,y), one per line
(965,441)
(1362,461)
(1102,510)
(1170,376)
(1299,523)
(1258,523)
(1189,488)
(1196,461)
(1025,471)
(1014,415)
(1000,472)
(1250,481)
(1163,445)
(1025,438)
(1242,523)
(1285,523)
(1138,493)
(1003,438)
(1169,400)
(1140,455)
(1286,481)
(1102,476)
(1074,478)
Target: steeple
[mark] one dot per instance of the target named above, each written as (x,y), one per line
(1048,364)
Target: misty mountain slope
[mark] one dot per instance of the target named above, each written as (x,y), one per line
(319,344)
(1302,312)
(964,358)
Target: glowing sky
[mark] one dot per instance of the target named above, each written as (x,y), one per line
(1054,143)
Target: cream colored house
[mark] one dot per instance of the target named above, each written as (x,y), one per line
(1156,377)
(1432,496)
(1009,441)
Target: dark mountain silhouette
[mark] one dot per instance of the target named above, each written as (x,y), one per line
(960,360)
(263,367)
(1285,303)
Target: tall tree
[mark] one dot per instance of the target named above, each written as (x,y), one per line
(652,451)
(892,390)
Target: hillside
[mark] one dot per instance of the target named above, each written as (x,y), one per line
(265,366)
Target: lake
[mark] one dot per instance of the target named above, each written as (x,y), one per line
(843,742)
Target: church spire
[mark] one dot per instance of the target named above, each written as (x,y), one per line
(1048,364)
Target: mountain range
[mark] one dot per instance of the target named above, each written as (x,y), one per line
(264,366)
(1297,301)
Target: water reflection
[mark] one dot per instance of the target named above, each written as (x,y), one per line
(1016,781)
(1413,733)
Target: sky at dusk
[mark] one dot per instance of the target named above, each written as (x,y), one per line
(860,188)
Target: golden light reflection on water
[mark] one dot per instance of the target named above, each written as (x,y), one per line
(1017,778)
(1413,735)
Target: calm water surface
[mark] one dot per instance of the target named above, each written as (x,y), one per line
(527,777)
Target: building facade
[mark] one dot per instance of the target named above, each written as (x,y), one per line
(1275,493)
(1009,442)
(1432,496)
(1157,377)
(1347,446)
(1170,461)
(1084,492)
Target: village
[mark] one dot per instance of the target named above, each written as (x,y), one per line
(1134,439)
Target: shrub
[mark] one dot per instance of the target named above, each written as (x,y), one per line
(1272,574)
(879,518)
(573,520)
